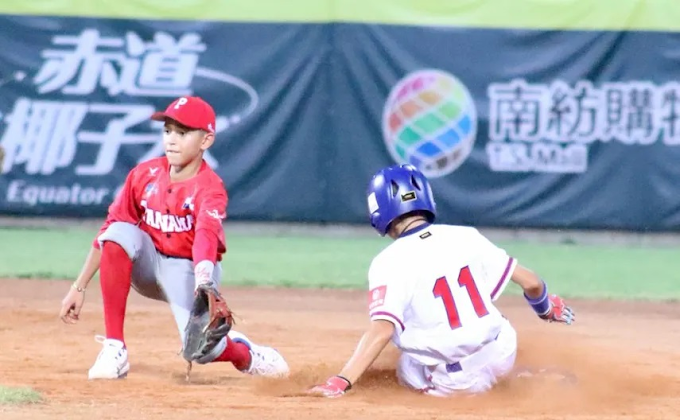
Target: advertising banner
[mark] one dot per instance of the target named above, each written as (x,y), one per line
(516,124)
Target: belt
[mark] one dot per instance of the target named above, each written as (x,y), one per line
(173,257)
(456,367)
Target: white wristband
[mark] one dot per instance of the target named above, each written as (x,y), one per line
(203,272)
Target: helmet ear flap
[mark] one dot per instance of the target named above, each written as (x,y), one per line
(375,222)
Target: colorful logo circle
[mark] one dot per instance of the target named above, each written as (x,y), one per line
(430,121)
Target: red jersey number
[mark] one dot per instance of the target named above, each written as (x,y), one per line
(442,290)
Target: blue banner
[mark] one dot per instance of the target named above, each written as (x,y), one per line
(515,128)
(78,96)
(522,128)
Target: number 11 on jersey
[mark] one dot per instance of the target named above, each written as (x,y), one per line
(442,290)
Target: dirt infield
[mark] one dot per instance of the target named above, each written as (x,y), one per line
(624,356)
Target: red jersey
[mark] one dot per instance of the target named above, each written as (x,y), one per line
(171,213)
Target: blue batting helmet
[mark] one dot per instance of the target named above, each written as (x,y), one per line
(395,191)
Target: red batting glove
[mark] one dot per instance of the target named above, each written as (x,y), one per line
(335,387)
(559,311)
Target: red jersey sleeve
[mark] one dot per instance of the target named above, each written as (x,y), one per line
(123,209)
(209,241)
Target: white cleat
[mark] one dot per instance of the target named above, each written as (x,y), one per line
(112,362)
(265,361)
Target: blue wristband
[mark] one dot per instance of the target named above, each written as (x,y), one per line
(541,304)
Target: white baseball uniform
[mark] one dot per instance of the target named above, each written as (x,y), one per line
(437,286)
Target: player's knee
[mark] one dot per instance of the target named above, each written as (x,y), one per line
(126,235)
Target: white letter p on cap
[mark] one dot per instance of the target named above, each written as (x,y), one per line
(181,101)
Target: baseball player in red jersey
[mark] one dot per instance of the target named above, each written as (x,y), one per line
(163,236)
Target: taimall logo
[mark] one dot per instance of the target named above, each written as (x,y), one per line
(167,222)
(539,127)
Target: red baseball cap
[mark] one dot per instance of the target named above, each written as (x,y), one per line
(190,111)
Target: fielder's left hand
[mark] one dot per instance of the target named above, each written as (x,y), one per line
(559,311)
(334,387)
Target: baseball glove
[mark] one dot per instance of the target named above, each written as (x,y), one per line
(209,322)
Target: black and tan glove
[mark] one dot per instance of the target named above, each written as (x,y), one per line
(210,321)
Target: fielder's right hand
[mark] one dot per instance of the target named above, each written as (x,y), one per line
(72,304)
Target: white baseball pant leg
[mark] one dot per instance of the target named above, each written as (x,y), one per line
(475,374)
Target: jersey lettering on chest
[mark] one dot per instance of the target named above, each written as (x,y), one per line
(166,223)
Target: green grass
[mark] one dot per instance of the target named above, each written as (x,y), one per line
(296,261)
(17,396)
